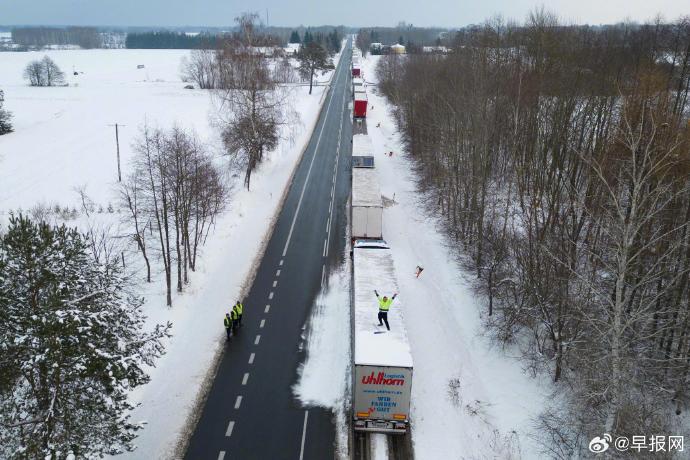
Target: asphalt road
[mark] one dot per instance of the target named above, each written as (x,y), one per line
(250,412)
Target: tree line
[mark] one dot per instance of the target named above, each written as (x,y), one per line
(559,161)
(85,37)
(169,40)
(331,41)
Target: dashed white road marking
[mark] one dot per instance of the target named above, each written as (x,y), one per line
(270,296)
(245,378)
(268,307)
(306,180)
(238,402)
(324,247)
(228,432)
(281,262)
(221,455)
(251,358)
(275,283)
(278,272)
(304,434)
(323,274)
(256,340)
(261,325)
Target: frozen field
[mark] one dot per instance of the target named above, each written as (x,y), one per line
(63,138)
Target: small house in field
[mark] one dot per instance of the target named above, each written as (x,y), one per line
(292,49)
(397,49)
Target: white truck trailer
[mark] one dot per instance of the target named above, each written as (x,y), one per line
(367,205)
(362,146)
(382,362)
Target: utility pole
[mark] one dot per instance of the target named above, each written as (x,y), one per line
(117,144)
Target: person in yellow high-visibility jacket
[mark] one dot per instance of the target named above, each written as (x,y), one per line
(384,306)
(239,308)
(227,322)
(234,317)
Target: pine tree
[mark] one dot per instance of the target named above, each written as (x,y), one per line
(308,38)
(5,117)
(312,58)
(72,345)
(294,37)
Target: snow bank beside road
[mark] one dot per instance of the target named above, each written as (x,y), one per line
(324,377)
(467,398)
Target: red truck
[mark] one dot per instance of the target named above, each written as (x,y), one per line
(360,105)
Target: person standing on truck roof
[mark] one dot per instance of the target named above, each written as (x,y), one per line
(384,306)
(227,322)
(239,308)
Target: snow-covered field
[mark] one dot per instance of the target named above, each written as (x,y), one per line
(63,139)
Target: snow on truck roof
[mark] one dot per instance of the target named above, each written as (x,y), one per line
(365,188)
(362,145)
(375,346)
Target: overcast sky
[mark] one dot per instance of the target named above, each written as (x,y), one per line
(446,13)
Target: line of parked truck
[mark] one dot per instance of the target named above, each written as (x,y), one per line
(359,92)
(382,361)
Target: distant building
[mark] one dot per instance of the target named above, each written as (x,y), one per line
(292,49)
(436,49)
(397,49)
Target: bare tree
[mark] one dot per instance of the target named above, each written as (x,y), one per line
(200,68)
(176,191)
(557,159)
(44,73)
(132,199)
(52,74)
(33,72)
(251,107)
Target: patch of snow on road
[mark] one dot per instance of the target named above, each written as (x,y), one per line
(324,377)
(379,446)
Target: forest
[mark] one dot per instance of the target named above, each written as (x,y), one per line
(164,39)
(86,37)
(558,158)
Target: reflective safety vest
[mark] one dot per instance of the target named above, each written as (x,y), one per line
(233,314)
(385,305)
(239,308)
(226,321)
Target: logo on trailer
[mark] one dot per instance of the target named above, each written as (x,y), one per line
(382,379)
